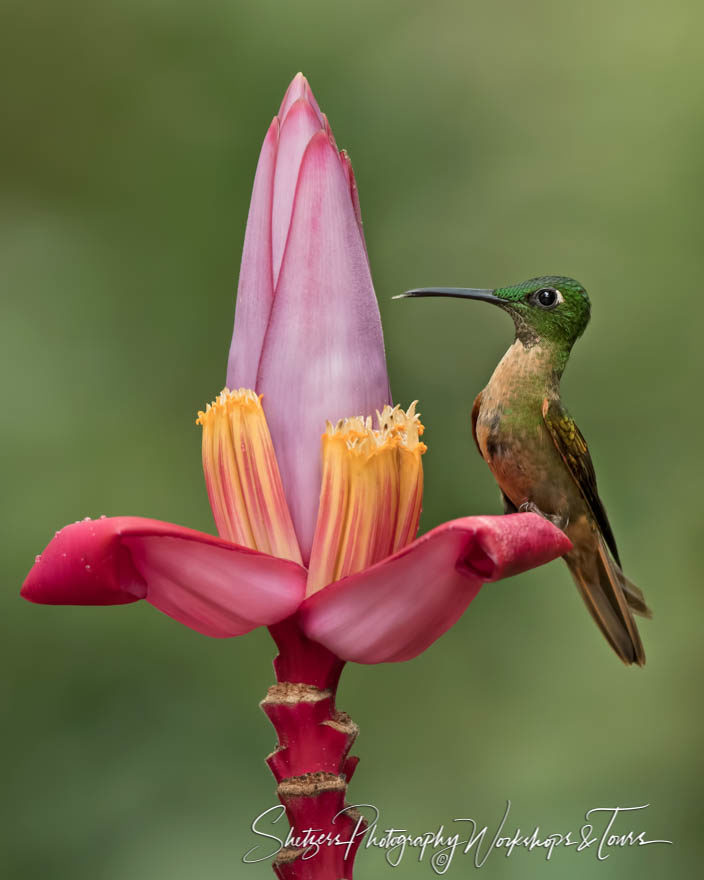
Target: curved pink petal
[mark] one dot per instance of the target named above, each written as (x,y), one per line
(215,587)
(299,88)
(328,130)
(255,291)
(396,609)
(354,193)
(300,125)
(323,355)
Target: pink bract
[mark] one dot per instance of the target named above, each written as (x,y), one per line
(307,328)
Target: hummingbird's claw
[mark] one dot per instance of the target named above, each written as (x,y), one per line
(561,520)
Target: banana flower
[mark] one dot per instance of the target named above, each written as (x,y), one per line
(315,479)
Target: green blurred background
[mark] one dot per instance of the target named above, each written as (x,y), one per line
(491,142)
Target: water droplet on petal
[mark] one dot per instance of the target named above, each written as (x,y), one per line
(86,519)
(37,557)
(102,516)
(87,567)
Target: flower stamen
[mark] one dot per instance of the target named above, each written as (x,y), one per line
(371,493)
(242,475)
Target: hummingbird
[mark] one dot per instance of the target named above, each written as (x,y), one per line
(538,455)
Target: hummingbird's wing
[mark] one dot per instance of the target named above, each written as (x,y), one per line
(609,595)
(509,506)
(572,447)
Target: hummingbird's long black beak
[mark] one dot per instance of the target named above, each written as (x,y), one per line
(460,292)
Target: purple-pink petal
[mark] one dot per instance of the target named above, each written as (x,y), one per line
(255,291)
(396,609)
(323,356)
(210,585)
(297,130)
(354,192)
(299,88)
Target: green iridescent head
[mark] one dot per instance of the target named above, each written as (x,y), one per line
(551,308)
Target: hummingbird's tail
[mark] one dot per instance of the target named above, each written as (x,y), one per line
(635,597)
(610,598)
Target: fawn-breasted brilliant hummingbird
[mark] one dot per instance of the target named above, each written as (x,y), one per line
(537,453)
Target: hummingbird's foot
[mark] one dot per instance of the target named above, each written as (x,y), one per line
(561,520)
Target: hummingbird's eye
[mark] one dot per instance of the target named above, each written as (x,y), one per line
(547,298)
